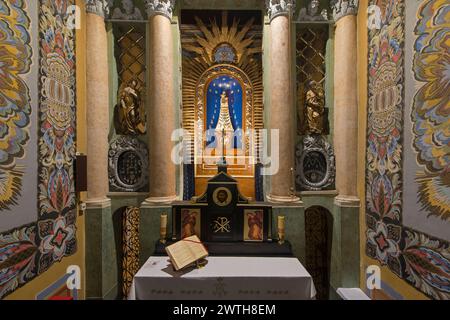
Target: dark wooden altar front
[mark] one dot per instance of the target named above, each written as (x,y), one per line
(226,222)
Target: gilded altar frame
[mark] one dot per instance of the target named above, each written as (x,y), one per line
(203,169)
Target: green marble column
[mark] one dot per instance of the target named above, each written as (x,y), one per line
(102,275)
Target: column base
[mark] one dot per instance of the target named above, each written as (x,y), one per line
(347,201)
(157,201)
(98,203)
(284,199)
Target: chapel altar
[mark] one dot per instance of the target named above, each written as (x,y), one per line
(190,87)
(226,222)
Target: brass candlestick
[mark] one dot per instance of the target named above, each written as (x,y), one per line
(163,229)
(281,232)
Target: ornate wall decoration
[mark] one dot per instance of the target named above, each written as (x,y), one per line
(229,55)
(162,7)
(98,7)
(431,108)
(130,247)
(18,256)
(315,164)
(421,260)
(57,206)
(27,251)
(18,247)
(131,67)
(128,165)
(312,12)
(15,110)
(125,10)
(58,239)
(276,8)
(57,110)
(310,66)
(342,8)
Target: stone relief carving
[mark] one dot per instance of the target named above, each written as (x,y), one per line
(127,165)
(98,7)
(162,7)
(279,7)
(126,11)
(311,13)
(315,164)
(343,8)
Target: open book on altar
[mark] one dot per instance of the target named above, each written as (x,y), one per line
(186,252)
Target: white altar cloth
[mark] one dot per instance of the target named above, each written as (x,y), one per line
(230,278)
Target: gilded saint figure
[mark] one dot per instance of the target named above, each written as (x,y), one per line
(130,114)
(314,108)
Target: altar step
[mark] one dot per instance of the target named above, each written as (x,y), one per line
(247,249)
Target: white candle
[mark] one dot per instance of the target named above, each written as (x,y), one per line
(281,223)
(163,221)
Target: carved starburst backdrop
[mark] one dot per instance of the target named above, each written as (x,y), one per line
(201,38)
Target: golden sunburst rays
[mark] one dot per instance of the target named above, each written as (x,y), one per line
(201,58)
(237,39)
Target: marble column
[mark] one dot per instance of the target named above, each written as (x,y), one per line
(100,250)
(161,102)
(281,99)
(97,102)
(345,102)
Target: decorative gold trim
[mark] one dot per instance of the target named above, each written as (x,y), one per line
(247,67)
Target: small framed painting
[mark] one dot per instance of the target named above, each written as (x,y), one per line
(190,222)
(253,225)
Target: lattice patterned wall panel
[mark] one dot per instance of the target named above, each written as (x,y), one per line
(311,47)
(131,57)
(311,44)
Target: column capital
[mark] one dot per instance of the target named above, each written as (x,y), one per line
(277,8)
(98,7)
(342,8)
(161,7)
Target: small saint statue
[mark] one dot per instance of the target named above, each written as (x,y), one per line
(311,13)
(314,108)
(224,116)
(224,125)
(130,114)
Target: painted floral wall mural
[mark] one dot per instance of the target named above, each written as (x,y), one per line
(421,259)
(15,109)
(28,250)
